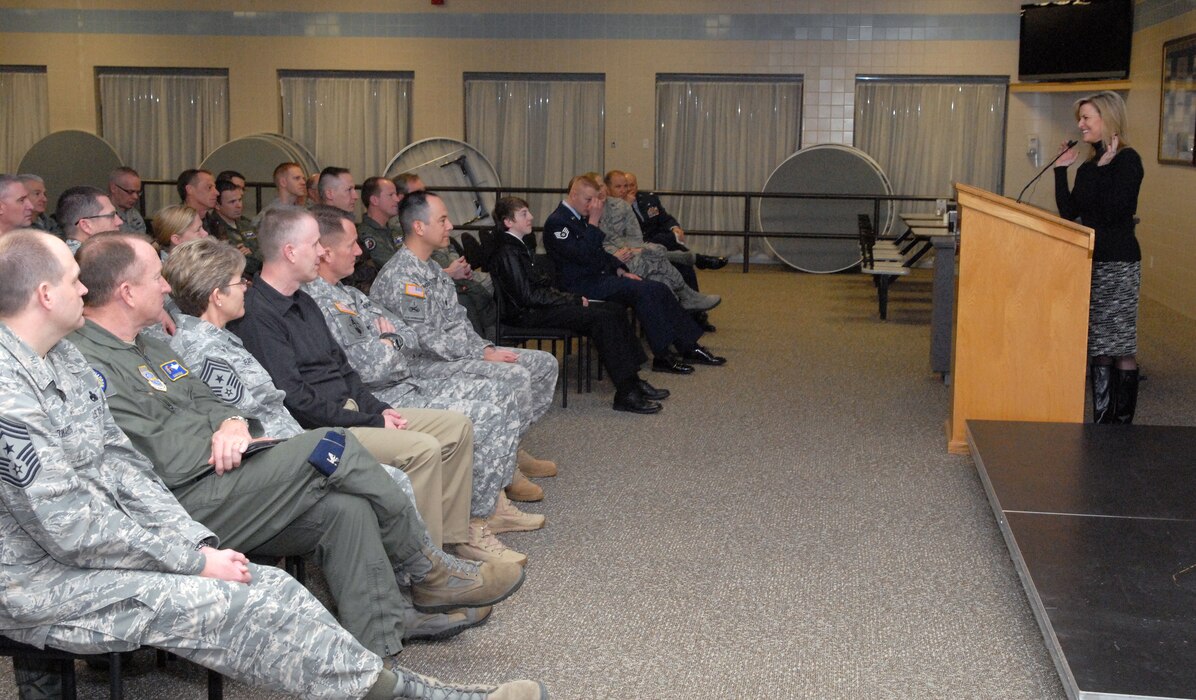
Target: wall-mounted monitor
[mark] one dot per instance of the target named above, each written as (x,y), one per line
(1076,40)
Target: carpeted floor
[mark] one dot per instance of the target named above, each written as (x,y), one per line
(791,526)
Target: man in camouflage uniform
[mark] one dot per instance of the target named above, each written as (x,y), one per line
(475,290)
(261,498)
(97,554)
(85,211)
(36,187)
(124,190)
(358,326)
(16,210)
(418,291)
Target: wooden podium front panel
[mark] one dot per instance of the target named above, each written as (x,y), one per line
(1021,321)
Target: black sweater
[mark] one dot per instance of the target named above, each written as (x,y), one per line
(1105,198)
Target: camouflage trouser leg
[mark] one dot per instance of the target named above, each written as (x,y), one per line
(531,380)
(654,265)
(495,441)
(271,633)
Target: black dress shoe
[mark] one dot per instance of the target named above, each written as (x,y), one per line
(709,262)
(671,364)
(634,402)
(652,393)
(701,356)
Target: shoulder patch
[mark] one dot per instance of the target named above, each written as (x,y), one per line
(562,234)
(152,378)
(174,370)
(369,243)
(344,308)
(19,463)
(105,387)
(414,290)
(223,380)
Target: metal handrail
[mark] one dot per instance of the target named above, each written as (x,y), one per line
(746,233)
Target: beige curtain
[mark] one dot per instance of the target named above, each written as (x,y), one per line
(537,131)
(357,121)
(24,114)
(726,134)
(929,133)
(162,124)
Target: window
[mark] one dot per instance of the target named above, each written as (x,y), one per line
(163,121)
(537,130)
(355,120)
(722,132)
(24,113)
(928,132)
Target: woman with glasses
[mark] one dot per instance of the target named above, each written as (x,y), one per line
(174,225)
(208,290)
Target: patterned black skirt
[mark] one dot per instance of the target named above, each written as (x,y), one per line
(1113,308)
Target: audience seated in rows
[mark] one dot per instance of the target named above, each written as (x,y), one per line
(116,563)
(574,242)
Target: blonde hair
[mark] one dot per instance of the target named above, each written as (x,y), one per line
(1111,109)
(170,221)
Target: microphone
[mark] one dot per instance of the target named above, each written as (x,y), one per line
(1070,143)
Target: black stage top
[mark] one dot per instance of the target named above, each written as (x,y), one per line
(1100,521)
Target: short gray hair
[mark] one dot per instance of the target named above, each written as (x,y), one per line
(197,267)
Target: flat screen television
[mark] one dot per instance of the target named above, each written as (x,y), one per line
(1076,40)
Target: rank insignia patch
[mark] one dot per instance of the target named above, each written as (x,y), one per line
(19,463)
(414,290)
(152,378)
(104,385)
(174,370)
(562,234)
(223,380)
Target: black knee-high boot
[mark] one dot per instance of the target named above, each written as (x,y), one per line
(1102,393)
(1125,393)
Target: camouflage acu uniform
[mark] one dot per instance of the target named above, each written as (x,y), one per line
(621,230)
(423,295)
(476,294)
(133,223)
(98,556)
(47,223)
(238,379)
(281,501)
(352,319)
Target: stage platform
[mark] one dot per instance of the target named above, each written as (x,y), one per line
(1100,521)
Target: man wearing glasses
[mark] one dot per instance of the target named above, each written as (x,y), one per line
(124,189)
(85,211)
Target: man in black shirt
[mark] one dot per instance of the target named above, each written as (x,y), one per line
(285,330)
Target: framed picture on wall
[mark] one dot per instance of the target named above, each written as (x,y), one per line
(1177,117)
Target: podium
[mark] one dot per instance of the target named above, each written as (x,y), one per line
(1020,340)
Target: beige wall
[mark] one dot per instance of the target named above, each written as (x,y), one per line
(630,67)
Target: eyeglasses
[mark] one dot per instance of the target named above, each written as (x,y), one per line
(111,215)
(245,282)
(129,191)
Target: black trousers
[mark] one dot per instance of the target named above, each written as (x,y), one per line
(606,324)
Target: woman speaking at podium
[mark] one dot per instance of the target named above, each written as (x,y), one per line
(1105,198)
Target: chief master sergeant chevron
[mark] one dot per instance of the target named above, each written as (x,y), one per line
(98,556)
